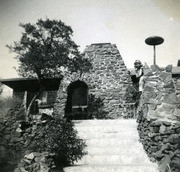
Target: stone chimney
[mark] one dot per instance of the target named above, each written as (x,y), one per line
(108,80)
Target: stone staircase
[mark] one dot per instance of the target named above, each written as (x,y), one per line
(112,146)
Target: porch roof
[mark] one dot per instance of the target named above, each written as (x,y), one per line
(31,84)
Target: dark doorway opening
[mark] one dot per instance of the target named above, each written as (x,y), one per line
(77,101)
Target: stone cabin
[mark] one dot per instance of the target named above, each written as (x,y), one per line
(105,90)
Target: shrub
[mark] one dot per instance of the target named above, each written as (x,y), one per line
(131,94)
(55,136)
(59,138)
(96,108)
(8,103)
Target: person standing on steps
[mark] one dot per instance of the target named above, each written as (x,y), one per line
(139,74)
(138,81)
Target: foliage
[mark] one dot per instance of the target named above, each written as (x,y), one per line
(58,137)
(46,49)
(132,94)
(95,108)
(1,88)
(8,103)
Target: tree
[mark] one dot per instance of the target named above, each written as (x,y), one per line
(46,49)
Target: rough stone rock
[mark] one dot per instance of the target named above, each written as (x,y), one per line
(152,78)
(163,165)
(159,155)
(171,99)
(2,127)
(155,124)
(155,129)
(36,166)
(169,84)
(162,129)
(28,161)
(152,106)
(30,156)
(148,72)
(22,169)
(174,139)
(151,84)
(165,147)
(175,163)
(149,88)
(169,68)
(155,68)
(44,167)
(177,130)
(17,134)
(148,95)
(167,106)
(165,76)
(177,113)
(18,130)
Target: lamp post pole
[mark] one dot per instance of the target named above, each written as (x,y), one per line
(154,55)
(153,41)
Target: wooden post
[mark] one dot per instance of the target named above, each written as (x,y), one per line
(25,101)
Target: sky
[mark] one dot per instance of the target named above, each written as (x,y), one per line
(126,23)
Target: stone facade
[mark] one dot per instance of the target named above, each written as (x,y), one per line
(108,80)
(159,118)
(160,98)
(177,84)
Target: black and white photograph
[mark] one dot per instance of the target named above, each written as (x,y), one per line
(89,85)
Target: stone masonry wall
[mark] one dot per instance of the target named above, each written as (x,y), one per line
(14,133)
(177,84)
(159,118)
(108,80)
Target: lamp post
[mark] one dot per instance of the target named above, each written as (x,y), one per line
(153,41)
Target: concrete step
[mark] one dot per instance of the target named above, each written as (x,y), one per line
(126,122)
(108,135)
(105,128)
(104,142)
(121,159)
(112,146)
(114,150)
(113,168)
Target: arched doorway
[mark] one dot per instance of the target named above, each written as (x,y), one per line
(77,100)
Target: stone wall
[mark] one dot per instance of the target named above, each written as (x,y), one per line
(159,118)
(14,140)
(10,136)
(108,80)
(177,84)
(35,162)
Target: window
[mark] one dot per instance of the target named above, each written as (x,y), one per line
(43,97)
